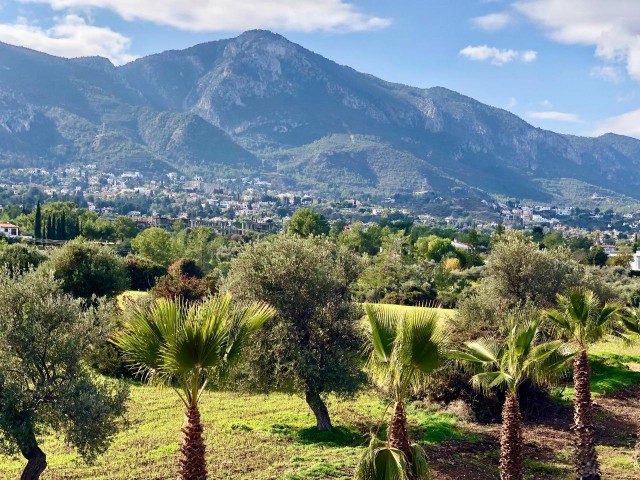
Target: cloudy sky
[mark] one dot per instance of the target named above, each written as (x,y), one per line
(571,66)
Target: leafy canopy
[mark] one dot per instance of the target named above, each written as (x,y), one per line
(404,348)
(187,346)
(581,317)
(521,356)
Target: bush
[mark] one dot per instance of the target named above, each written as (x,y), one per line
(185,267)
(143,272)
(87,269)
(189,289)
(18,258)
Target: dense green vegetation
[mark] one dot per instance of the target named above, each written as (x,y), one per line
(525,309)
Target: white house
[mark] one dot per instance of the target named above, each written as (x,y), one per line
(460,246)
(634,264)
(9,230)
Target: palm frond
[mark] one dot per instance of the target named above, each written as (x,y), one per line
(383,322)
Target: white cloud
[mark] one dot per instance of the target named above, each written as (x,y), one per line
(70,36)
(557,116)
(493,21)
(612,26)
(625,124)
(513,102)
(236,15)
(546,103)
(607,72)
(484,53)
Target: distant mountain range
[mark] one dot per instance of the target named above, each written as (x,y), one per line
(259,103)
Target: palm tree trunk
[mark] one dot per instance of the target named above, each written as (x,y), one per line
(586,457)
(511,443)
(398,432)
(319,409)
(192,464)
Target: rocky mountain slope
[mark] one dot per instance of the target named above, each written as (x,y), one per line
(259,102)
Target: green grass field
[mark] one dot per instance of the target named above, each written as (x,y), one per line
(248,437)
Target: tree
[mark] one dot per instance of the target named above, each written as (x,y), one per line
(507,364)
(305,222)
(87,269)
(143,272)
(433,247)
(188,347)
(37,228)
(582,320)
(597,256)
(404,350)
(125,228)
(311,346)
(155,244)
(44,384)
(18,258)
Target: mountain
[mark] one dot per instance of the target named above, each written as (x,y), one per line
(259,102)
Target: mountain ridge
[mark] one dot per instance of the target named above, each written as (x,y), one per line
(266,101)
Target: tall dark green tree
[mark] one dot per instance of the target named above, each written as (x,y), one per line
(50,234)
(37,228)
(62,227)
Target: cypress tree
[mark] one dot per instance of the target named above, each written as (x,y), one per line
(62,229)
(49,233)
(37,229)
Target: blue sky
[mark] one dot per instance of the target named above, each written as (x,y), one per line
(571,66)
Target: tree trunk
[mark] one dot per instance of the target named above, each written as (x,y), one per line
(192,464)
(398,433)
(36,464)
(511,443)
(586,457)
(319,409)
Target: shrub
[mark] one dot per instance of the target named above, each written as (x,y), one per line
(143,272)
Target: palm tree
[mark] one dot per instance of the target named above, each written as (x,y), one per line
(404,350)
(507,364)
(187,347)
(631,322)
(581,319)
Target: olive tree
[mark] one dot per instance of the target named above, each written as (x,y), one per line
(44,384)
(86,269)
(312,345)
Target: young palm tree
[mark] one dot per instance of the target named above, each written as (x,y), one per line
(506,364)
(404,349)
(187,347)
(582,320)
(631,322)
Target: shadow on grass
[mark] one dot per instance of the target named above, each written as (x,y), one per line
(338,437)
(611,372)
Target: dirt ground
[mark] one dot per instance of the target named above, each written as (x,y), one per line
(548,453)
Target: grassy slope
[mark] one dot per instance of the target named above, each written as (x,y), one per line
(248,437)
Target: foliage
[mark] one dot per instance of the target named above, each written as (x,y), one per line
(404,347)
(18,258)
(155,244)
(185,267)
(143,272)
(311,346)
(43,383)
(87,269)
(172,343)
(381,462)
(184,287)
(305,222)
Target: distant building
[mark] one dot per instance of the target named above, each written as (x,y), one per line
(9,230)
(460,246)
(634,264)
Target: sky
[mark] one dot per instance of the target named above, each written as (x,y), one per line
(571,66)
